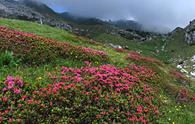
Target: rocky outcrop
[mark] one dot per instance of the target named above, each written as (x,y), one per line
(115,46)
(135,35)
(31,11)
(190,33)
(177,30)
(193,58)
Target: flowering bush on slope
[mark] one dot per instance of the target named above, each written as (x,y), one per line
(181,78)
(120,50)
(138,57)
(37,50)
(144,73)
(83,95)
(12,99)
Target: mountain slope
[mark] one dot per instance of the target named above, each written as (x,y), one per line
(93,28)
(127,24)
(179,51)
(161,83)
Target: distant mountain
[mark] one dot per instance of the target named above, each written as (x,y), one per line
(122,24)
(127,24)
(81,20)
(41,8)
(93,28)
(32,11)
(188,33)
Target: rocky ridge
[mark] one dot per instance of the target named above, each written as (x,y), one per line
(24,11)
(190,33)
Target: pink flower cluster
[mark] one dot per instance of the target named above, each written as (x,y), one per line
(13,85)
(121,50)
(183,95)
(94,52)
(181,78)
(105,92)
(144,73)
(36,49)
(109,84)
(138,57)
(11,94)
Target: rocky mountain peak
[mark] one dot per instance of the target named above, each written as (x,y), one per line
(191,26)
(31,10)
(190,33)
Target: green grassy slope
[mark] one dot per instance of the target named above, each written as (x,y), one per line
(171,112)
(177,47)
(102,33)
(59,35)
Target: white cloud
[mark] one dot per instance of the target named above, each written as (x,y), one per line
(167,13)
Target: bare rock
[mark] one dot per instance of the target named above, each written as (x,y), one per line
(190,33)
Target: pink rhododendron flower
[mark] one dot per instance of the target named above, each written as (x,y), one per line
(139,109)
(17,91)
(10,78)
(4,89)
(4,99)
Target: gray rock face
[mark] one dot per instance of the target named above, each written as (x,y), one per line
(190,33)
(192,74)
(115,46)
(133,35)
(193,58)
(31,11)
(190,37)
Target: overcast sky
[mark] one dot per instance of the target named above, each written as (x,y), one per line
(165,13)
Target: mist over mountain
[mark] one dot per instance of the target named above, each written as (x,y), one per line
(156,16)
(97,61)
(161,14)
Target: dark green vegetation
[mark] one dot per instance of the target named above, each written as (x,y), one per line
(170,85)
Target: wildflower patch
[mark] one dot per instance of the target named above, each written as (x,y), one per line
(88,94)
(36,50)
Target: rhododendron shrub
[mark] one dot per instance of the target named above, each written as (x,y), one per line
(142,72)
(181,78)
(107,93)
(12,98)
(34,49)
(140,58)
(183,95)
(120,50)
(84,95)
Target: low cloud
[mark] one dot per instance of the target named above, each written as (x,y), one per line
(163,13)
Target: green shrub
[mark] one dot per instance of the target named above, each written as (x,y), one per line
(7,59)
